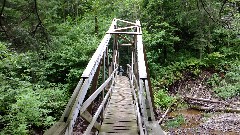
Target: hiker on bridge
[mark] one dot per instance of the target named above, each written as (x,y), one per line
(120,70)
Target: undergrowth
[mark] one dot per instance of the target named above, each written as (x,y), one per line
(229,85)
(176,122)
(225,82)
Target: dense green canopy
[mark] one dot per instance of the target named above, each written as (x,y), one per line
(45,45)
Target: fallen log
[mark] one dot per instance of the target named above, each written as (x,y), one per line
(214,109)
(212,101)
(206,100)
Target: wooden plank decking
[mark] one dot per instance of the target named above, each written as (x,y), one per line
(120,116)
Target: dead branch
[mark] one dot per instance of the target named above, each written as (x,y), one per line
(38,18)
(24,18)
(221,9)
(1,12)
(218,21)
(164,115)
(210,16)
(198,6)
(40,24)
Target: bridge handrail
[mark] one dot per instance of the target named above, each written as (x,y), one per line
(145,127)
(133,79)
(96,115)
(98,53)
(97,92)
(68,119)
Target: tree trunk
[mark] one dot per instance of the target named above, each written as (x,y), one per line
(96,25)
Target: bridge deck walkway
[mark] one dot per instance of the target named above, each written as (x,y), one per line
(120,115)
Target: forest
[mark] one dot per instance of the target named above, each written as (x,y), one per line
(192,46)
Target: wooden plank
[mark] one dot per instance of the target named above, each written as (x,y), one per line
(123,124)
(149,81)
(94,86)
(125,44)
(95,94)
(87,116)
(113,133)
(120,117)
(149,99)
(140,55)
(122,111)
(89,128)
(116,120)
(155,129)
(56,127)
(123,129)
(142,102)
(71,102)
(103,80)
(140,58)
(116,133)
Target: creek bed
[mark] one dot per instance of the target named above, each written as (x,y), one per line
(198,122)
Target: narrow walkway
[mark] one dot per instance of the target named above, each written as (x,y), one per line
(120,117)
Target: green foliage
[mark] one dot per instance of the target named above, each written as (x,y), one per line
(176,122)
(229,86)
(162,99)
(32,108)
(228,91)
(71,53)
(214,80)
(159,41)
(27,105)
(35,85)
(214,59)
(25,102)
(3,51)
(167,75)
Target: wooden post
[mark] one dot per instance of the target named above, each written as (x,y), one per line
(115,48)
(104,78)
(149,81)
(135,67)
(94,87)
